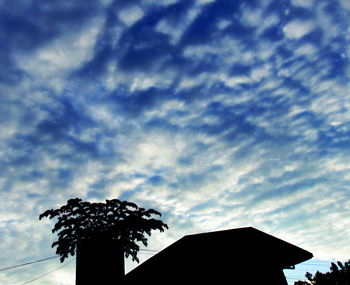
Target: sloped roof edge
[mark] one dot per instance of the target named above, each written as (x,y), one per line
(285,253)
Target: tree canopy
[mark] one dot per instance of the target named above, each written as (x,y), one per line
(118,220)
(339,274)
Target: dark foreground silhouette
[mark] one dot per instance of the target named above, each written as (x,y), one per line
(100,262)
(101,234)
(239,256)
(339,274)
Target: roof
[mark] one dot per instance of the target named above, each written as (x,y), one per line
(242,247)
(251,243)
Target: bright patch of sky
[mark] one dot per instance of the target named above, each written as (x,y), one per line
(219,114)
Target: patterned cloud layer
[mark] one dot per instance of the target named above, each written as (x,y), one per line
(219,114)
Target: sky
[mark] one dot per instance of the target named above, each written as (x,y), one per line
(219,114)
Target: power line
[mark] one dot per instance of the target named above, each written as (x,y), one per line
(58,268)
(47,273)
(142,250)
(149,250)
(27,263)
(294,278)
(53,257)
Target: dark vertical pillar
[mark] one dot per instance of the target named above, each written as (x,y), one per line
(100,262)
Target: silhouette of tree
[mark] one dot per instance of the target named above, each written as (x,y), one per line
(117,220)
(339,274)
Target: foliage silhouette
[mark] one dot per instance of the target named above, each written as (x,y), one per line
(339,274)
(117,220)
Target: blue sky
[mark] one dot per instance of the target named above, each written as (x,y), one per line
(217,113)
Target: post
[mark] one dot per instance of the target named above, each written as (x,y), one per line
(100,262)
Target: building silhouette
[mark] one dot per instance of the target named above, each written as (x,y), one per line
(237,256)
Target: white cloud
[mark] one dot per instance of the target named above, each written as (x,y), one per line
(345,4)
(146,81)
(176,29)
(167,28)
(306,49)
(222,24)
(228,51)
(189,82)
(303,3)
(261,72)
(50,64)
(252,17)
(64,276)
(270,20)
(106,2)
(161,3)
(130,15)
(204,2)
(142,80)
(297,29)
(156,150)
(331,103)
(234,80)
(331,26)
